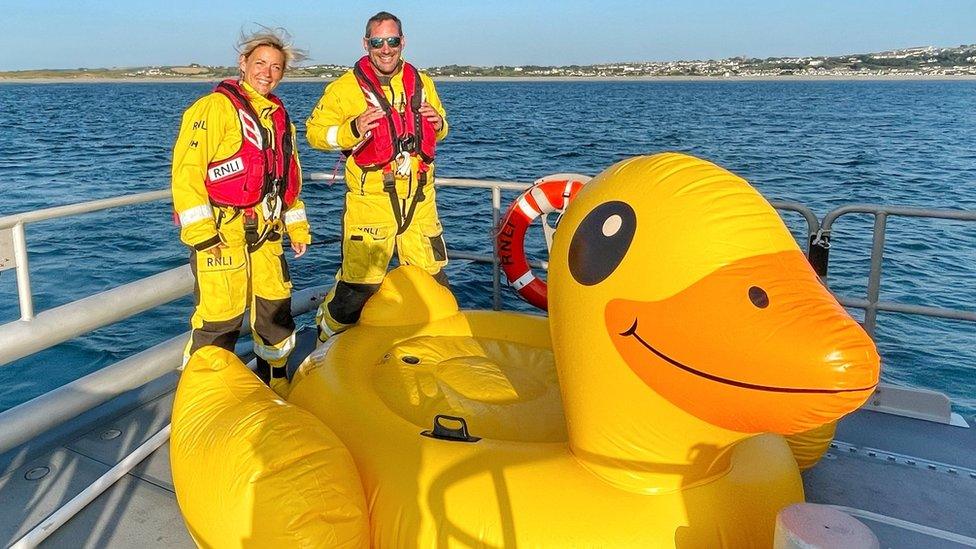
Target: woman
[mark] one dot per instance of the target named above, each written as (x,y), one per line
(236,184)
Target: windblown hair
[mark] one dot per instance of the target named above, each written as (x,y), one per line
(277,38)
(384,16)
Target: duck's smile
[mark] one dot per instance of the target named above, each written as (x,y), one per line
(632,332)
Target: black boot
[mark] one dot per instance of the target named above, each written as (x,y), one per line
(263,370)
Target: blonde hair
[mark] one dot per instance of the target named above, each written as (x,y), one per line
(278,38)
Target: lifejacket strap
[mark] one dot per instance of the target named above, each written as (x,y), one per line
(250,227)
(389,186)
(421,182)
(287,150)
(207,244)
(418,197)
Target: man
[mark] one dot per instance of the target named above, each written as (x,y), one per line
(236,181)
(386,117)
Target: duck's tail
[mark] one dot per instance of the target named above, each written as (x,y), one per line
(252,470)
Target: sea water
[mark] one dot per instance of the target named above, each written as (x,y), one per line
(820,143)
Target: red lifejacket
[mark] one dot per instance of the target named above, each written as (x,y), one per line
(263,164)
(407,131)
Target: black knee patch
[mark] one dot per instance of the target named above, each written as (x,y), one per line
(348,301)
(222,334)
(441,278)
(273,320)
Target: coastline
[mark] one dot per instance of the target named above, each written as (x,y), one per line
(787,78)
(797,78)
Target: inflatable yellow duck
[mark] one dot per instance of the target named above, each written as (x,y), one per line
(685,328)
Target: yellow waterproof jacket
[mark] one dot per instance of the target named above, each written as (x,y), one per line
(330,127)
(211,131)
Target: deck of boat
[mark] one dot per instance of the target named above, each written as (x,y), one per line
(907,469)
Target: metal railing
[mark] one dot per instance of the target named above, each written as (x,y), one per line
(496,188)
(33,333)
(820,250)
(48,328)
(37,332)
(25,421)
(12,232)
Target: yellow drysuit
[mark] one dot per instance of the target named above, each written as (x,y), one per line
(229,281)
(369,223)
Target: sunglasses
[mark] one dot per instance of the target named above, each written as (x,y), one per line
(377,42)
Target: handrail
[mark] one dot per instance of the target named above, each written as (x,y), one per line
(27,420)
(820,250)
(906,211)
(18,339)
(448,181)
(79,208)
(818,246)
(15,223)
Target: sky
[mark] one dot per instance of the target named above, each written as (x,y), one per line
(63,34)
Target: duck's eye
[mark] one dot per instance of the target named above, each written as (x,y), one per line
(758,297)
(601,242)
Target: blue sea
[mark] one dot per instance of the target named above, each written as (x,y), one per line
(823,144)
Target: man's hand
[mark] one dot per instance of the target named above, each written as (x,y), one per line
(368,120)
(432,116)
(300,248)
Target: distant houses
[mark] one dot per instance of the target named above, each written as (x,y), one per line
(916,61)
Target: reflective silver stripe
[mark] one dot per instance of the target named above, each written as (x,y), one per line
(197,213)
(523,280)
(372,100)
(294,216)
(332,136)
(542,200)
(527,209)
(272,353)
(324,326)
(566,192)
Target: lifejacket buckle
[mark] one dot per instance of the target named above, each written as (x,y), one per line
(271,203)
(408,143)
(389,184)
(250,227)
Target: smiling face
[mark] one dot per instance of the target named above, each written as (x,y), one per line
(386,58)
(263,68)
(689,281)
(756,332)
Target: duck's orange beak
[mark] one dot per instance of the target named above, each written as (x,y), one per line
(758,345)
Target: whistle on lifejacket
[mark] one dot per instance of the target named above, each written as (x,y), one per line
(406,145)
(402,161)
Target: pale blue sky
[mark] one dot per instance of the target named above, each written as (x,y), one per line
(91,33)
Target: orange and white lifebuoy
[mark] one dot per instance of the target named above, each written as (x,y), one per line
(550,194)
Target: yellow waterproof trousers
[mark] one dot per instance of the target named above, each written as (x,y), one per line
(227,285)
(369,238)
